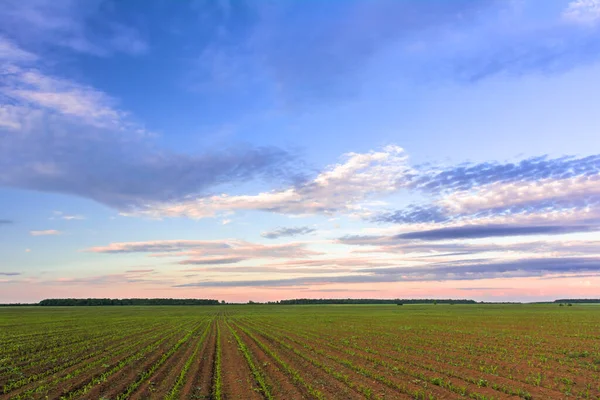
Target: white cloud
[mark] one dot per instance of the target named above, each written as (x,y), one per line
(35,90)
(48,232)
(583,11)
(339,188)
(73,217)
(11,52)
(504,195)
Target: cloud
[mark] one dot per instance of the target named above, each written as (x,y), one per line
(9,273)
(414,214)
(5,222)
(485,231)
(554,189)
(73,217)
(160,246)
(583,11)
(9,51)
(329,40)
(198,252)
(28,86)
(84,27)
(111,280)
(140,271)
(48,232)
(547,50)
(464,41)
(444,272)
(67,217)
(469,175)
(477,270)
(65,137)
(339,188)
(287,232)
(213,261)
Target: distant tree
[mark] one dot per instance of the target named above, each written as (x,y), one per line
(435,302)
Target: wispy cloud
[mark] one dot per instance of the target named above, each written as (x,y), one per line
(330,47)
(555,190)
(5,222)
(73,139)
(339,188)
(84,27)
(140,271)
(198,252)
(67,217)
(10,273)
(486,231)
(443,272)
(583,11)
(213,260)
(287,232)
(48,232)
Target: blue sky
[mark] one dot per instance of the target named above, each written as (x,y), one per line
(276,149)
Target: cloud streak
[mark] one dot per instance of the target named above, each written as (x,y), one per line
(48,232)
(88,27)
(486,231)
(198,252)
(287,232)
(445,272)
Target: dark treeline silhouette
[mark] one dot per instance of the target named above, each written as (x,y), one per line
(377,301)
(577,301)
(128,302)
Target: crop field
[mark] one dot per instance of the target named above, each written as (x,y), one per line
(301,352)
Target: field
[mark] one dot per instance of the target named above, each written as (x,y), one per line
(301,352)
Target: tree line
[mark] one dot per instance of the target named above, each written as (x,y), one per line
(577,301)
(377,301)
(128,302)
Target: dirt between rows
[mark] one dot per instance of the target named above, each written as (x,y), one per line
(56,390)
(327,383)
(414,362)
(237,379)
(119,382)
(279,382)
(162,381)
(199,376)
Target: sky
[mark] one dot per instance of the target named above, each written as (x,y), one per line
(264,150)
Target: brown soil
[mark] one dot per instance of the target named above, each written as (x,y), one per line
(280,384)
(119,382)
(162,381)
(78,381)
(237,379)
(198,383)
(323,380)
(409,382)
